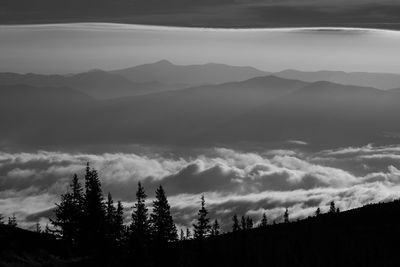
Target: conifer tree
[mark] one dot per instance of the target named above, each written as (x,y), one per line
(317,212)
(215,229)
(332,208)
(1,219)
(286,216)
(337,210)
(235,226)
(94,209)
(119,222)
(140,227)
(182,235)
(12,221)
(110,223)
(249,223)
(188,234)
(163,228)
(264,221)
(202,227)
(243,223)
(38,228)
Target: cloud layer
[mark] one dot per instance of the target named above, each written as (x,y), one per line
(246,183)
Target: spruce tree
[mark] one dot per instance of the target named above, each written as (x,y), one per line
(332,208)
(317,212)
(202,227)
(249,223)
(215,230)
(182,235)
(188,234)
(163,228)
(243,223)
(264,221)
(286,216)
(1,219)
(94,209)
(110,224)
(12,221)
(235,226)
(119,222)
(69,213)
(38,228)
(140,226)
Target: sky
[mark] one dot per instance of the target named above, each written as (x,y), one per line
(71,48)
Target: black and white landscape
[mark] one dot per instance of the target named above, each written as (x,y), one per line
(273,146)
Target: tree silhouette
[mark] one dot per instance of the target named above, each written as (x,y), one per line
(119,222)
(332,208)
(286,216)
(215,229)
(188,234)
(337,210)
(202,227)
(318,212)
(110,222)
(38,228)
(243,223)
(12,221)
(235,226)
(163,229)
(182,235)
(249,223)
(64,219)
(94,209)
(264,221)
(140,226)
(1,219)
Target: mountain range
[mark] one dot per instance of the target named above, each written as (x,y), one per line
(259,109)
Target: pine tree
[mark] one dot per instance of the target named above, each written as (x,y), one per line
(286,216)
(162,225)
(119,222)
(215,229)
(182,235)
(202,227)
(317,212)
(188,234)
(1,219)
(332,208)
(12,221)
(94,209)
(140,226)
(249,223)
(243,223)
(264,221)
(38,228)
(337,210)
(235,226)
(110,224)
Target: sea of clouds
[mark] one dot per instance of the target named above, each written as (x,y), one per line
(245,183)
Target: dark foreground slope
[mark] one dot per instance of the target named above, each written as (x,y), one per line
(368,236)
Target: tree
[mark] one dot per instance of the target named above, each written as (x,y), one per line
(235,226)
(94,209)
(69,213)
(188,234)
(337,210)
(202,227)
(110,223)
(140,226)
(286,216)
(264,221)
(12,221)
(163,228)
(215,229)
(243,223)
(318,212)
(1,219)
(249,223)
(332,208)
(119,222)
(38,228)
(182,235)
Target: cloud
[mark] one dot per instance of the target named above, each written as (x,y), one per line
(233,181)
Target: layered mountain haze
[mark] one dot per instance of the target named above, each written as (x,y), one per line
(266,109)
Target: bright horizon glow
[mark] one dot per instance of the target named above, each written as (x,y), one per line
(76,47)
